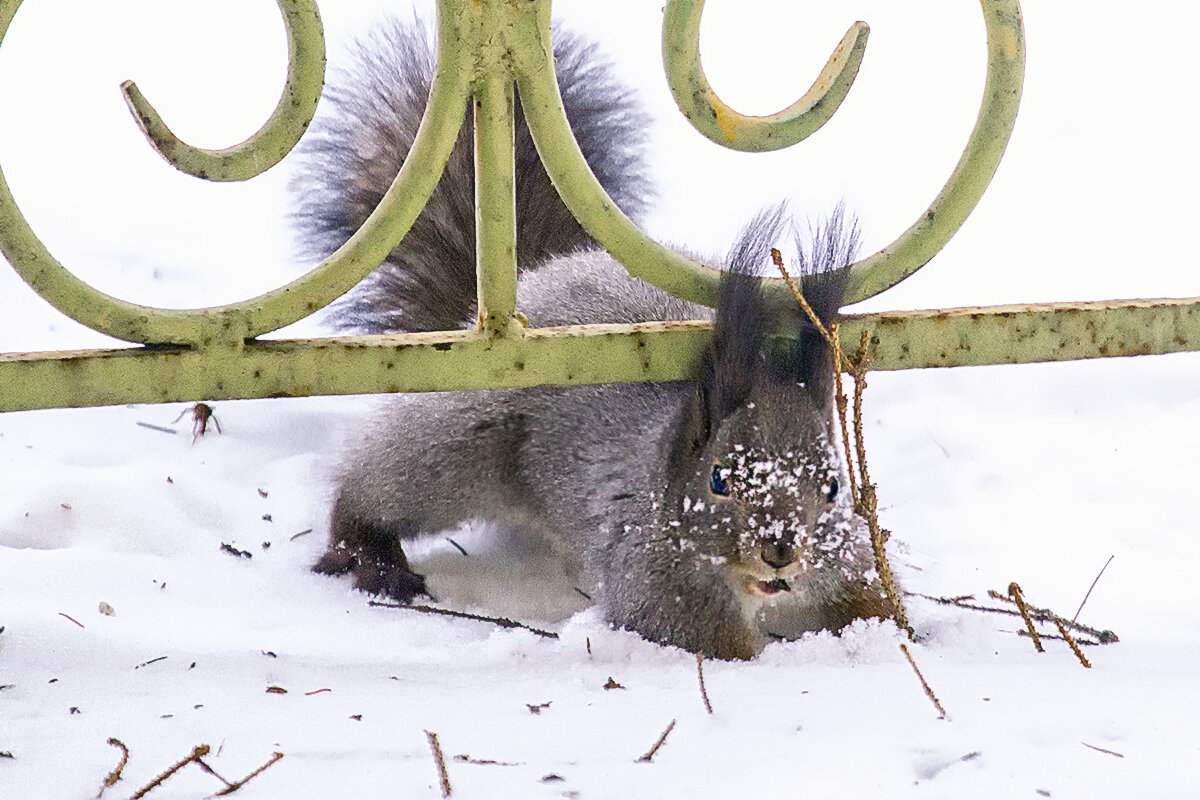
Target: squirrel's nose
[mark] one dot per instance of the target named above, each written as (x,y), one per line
(778,554)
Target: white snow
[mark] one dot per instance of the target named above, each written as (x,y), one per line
(1035,474)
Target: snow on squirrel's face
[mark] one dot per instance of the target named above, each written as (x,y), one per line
(769,500)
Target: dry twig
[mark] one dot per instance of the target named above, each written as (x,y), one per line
(230,788)
(703,691)
(863,494)
(198,752)
(503,622)
(485,762)
(840,397)
(1102,750)
(1039,614)
(1050,637)
(202,764)
(1093,586)
(646,759)
(924,684)
(1074,647)
(115,775)
(1014,591)
(436,749)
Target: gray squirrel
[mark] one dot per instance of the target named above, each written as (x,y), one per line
(711,514)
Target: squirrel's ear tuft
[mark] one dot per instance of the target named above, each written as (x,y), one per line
(823,262)
(820,266)
(753,342)
(742,323)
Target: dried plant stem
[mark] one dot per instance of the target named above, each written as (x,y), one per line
(840,398)
(503,622)
(703,691)
(1039,614)
(440,760)
(1050,637)
(1014,592)
(115,775)
(1093,586)
(777,258)
(202,764)
(1074,647)
(924,684)
(863,494)
(650,753)
(1102,750)
(868,506)
(68,616)
(230,788)
(198,752)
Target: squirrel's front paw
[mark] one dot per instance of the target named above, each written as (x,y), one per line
(399,583)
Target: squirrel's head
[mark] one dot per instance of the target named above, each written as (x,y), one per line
(758,484)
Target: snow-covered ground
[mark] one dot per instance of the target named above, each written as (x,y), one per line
(1035,474)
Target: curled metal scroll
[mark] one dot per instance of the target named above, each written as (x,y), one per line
(710,115)
(282,130)
(683,277)
(954,203)
(230,326)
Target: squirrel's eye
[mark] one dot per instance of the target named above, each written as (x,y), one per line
(831,495)
(719,481)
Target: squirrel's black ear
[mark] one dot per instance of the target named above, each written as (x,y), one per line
(823,263)
(742,323)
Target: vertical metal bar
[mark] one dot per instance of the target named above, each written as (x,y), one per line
(495,204)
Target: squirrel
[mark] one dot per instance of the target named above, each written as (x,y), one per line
(711,514)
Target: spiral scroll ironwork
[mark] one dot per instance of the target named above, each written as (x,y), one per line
(484,49)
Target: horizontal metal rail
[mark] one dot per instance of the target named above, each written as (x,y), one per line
(417,362)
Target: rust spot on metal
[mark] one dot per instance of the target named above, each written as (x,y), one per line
(442,346)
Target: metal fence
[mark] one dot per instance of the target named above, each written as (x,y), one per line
(486,50)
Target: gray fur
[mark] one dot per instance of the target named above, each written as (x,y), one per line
(364,131)
(616,481)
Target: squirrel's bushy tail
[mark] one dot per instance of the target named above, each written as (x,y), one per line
(358,143)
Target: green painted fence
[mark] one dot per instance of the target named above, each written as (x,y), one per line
(486,49)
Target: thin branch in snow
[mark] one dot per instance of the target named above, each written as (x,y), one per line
(924,684)
(1102,750)
(485,762)
(1039,614)
(115,775)
(866,502)
(703,691)
(503,622)
(646,759)
(68,616)
(1093,586)
(441,762)
(202,764)
(199,751)
(1052,638)
(233,787)
(1074,647)
(1014,591)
